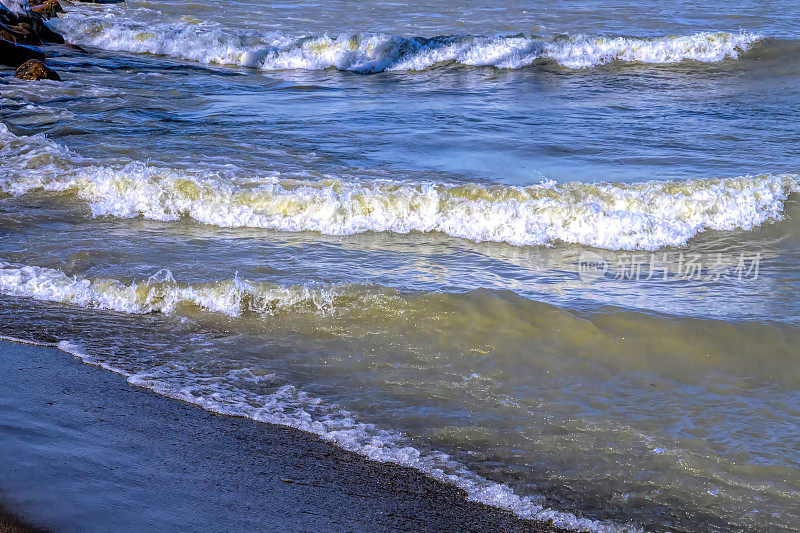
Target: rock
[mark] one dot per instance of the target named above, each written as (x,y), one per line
(16,8)
(36,4)
(13,55)
(21,33)
(34,70)
(44,31)
(26,27)
(46,9)
(20,24)
(76,48)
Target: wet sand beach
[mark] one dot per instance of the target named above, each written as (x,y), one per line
(85,451)
(10,524)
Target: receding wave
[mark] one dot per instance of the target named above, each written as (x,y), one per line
(285,404)
(627,341)
(645,215)
(375,52)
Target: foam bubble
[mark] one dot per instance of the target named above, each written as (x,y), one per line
(161,293)
(287,406)
(580,51)
(232,393)
(209,43)
(645,215)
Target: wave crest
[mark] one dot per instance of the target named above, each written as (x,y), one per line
(161,293)
(645,215)
(376,52)
(270,400)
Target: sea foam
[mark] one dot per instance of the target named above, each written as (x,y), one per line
(161,293)
(210,43)
(276,402)
(645,215)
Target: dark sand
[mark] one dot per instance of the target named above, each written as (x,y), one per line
(10,524)
(82,450)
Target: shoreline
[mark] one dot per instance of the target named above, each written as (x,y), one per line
(10,524)
(132,459)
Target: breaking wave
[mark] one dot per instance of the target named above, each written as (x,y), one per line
(209,43)
(284,404)
(161,293)
(645,215)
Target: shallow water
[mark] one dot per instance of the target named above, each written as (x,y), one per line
(549,255)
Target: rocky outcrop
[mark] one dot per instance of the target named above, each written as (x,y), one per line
(22,25)
(21,33)
(17,8)
(34,70)
(13,55)
(47,8)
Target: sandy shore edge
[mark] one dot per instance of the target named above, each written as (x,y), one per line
(88,451)
(10,524)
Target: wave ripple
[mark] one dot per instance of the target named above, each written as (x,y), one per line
(376,52)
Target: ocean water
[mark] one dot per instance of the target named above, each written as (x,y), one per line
(550,253)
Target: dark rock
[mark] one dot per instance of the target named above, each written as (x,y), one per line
(50,4)
(13,55)
(44,31)
(34,70)
(46,8)
(22,25)
(76,48)
(20,33)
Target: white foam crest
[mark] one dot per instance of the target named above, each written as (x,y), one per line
(203,42)
(28,341)
(645,215)
(161,293)
(232,393)
(582,51)
(285,405)
(210,43)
